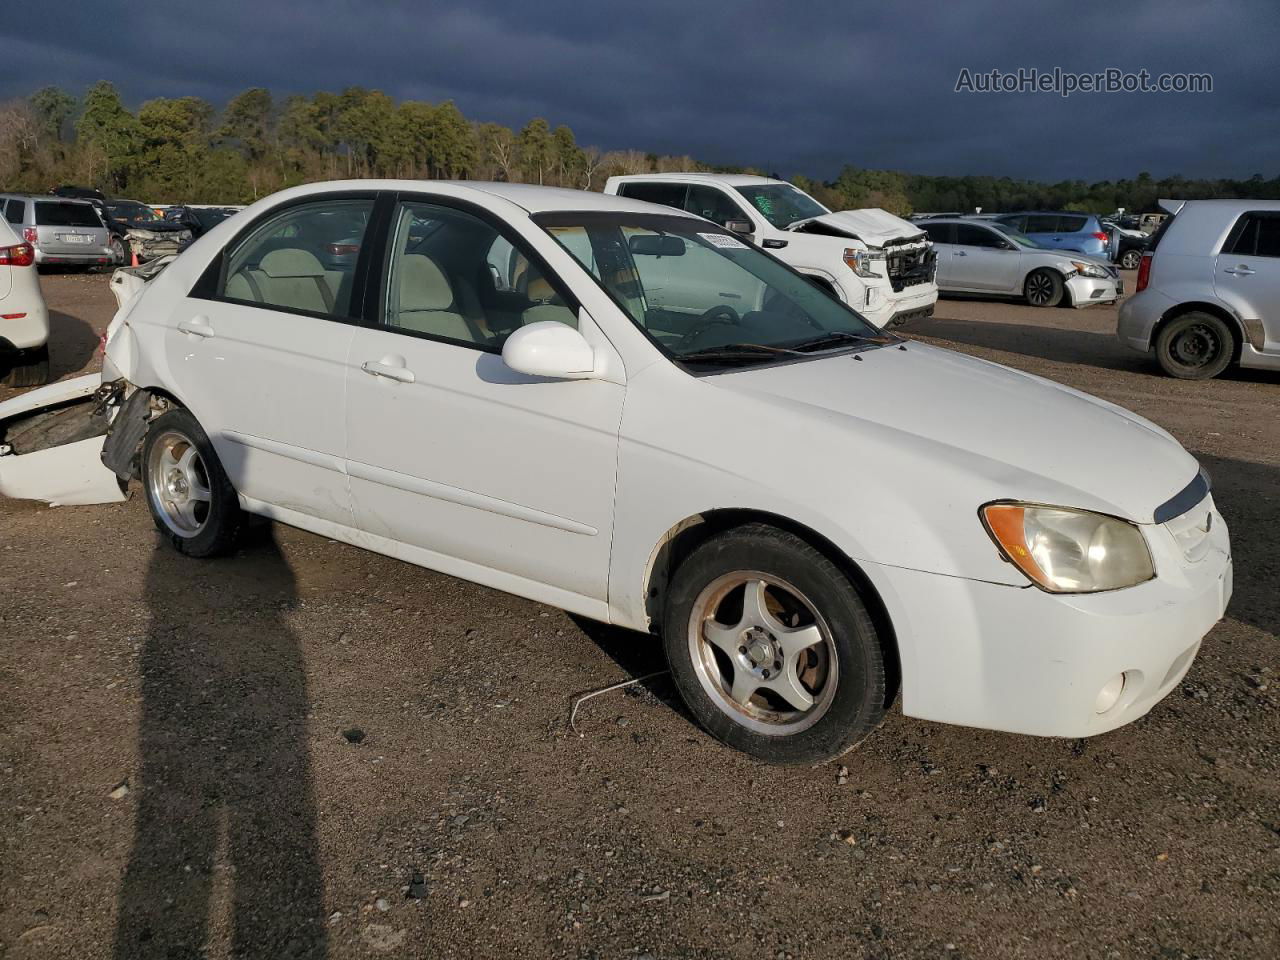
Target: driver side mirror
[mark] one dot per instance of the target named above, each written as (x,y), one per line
(550,349)
(739,226)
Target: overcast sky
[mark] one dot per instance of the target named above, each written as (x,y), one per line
(787,86)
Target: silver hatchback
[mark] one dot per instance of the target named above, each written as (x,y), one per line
(64,232)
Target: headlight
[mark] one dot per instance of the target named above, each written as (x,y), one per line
(861,262)
(1063,550)
(1089,270)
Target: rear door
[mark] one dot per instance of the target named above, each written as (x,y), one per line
(260,348)
(1043,228)
(1247,274)
(68,228)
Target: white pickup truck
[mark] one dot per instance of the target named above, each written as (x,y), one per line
(879,264)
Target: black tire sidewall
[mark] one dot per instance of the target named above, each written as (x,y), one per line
(225,520)
(1178,325)
(859,702)
(1057,286)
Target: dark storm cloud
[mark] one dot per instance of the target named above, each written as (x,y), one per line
(785,86)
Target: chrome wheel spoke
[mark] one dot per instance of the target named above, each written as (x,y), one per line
(199,492)
(787,685)
(186,511)
(744,685)
(798,639)
(755,608)
(726,638)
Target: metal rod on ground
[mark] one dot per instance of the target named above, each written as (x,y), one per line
(616,686)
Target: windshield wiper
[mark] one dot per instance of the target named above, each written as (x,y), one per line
(738,352)
(835,337)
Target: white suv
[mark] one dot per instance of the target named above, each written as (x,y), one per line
(877,263)
(24,319)
(1209,290)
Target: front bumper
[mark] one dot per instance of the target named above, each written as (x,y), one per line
(150,248)
(1086,290)
(887,308)
(1024,661)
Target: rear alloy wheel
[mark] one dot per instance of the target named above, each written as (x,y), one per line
(1130,259)
(1195,346)
(31,371)
(192,502)
(118,255)
(772,649)
(1043,288)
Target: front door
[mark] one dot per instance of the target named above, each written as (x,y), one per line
(496,476)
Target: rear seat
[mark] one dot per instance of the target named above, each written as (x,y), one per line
(288,277)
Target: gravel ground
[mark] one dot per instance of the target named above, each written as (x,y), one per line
(308,750)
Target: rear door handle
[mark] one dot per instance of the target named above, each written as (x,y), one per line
(961,253)
(197,326)
(389,368)
(1244,270)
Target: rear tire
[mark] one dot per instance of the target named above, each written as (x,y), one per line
(192,502)
(1195,346)
(801,682)
(1130,259)
(1043,288)
(31,371)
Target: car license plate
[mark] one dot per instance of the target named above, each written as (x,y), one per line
(74,238)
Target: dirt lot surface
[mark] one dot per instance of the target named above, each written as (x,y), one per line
(178,776)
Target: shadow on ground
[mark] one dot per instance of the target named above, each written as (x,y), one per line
(225,819)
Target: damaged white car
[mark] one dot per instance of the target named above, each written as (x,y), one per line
(627,412)
(877,263)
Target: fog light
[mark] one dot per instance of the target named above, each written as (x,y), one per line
(1109,694)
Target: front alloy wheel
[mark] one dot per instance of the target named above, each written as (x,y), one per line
(772,648)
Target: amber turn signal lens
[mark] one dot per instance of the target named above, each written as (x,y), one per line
(1007,526)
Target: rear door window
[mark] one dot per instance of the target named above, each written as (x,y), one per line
(667,194)
(52,213)
(1255,235)
(1041,223)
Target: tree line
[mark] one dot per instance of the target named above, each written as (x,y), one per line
(184,149)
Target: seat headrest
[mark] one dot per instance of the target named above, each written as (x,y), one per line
(423,285)
(539,290)
(291,262)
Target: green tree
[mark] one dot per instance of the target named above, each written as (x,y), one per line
(247,121)
(568,157)
(52,106)
(536,150)
(174,146)
(107,135)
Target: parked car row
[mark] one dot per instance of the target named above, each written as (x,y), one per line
(651,420)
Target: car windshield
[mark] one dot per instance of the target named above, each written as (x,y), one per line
(1021,239)
(702,294)
(132,213)
(782,204)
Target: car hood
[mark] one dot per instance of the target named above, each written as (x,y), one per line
(997,433)
(872,226)
(156,226)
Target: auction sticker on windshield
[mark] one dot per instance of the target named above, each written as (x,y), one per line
(723,240)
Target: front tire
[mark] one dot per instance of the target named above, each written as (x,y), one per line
(32,371)
(772,649)
(1043,288)
(119,257)
(192,502)
(1195,346)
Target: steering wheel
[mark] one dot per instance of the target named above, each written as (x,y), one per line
(721,313)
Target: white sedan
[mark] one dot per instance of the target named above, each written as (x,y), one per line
(525,387)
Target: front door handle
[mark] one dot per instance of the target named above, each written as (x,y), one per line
(961,253)
(392,368)
(196,326)
(1243,270)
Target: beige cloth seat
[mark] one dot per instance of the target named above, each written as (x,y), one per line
(425,301)
(288,277)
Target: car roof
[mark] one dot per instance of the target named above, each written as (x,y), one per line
(1045,213)
(530,197)
(728,179)
(45,198)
